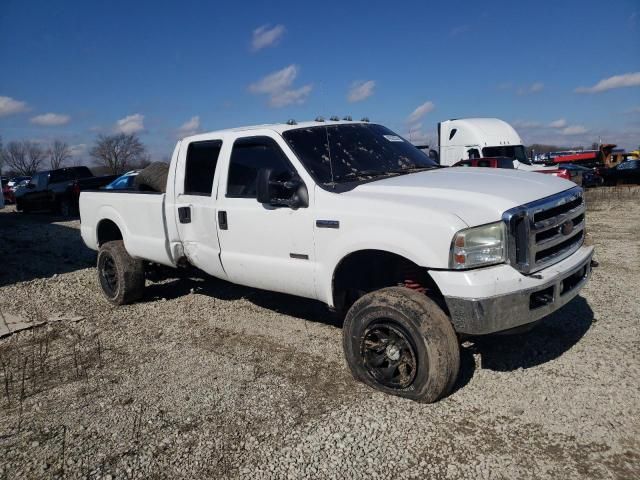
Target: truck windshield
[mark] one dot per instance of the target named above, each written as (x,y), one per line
(512,151)
(353,152)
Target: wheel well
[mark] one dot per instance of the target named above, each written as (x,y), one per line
(108,231)
(364,271)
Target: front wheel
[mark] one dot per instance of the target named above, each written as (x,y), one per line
(401,342)
(120,276)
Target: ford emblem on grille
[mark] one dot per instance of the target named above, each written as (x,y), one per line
(567,227)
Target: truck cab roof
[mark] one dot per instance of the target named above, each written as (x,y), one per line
(276,127)
(478,131)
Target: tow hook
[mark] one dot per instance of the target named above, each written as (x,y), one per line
(594,263)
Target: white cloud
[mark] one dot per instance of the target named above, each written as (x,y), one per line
(288,97)
(190,127)
(535,87)
(361,90)
(51,119)
(633,110)
(526,124)
(617,81)
(130,124)
(458,30)
(560,123)
(265,36)
(574,130)
(277,86)
(10,106)
(78,150)
(275,81)
(420,112)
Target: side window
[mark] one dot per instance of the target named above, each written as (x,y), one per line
(473,153)
(202,158)
(38,181)
(250,155)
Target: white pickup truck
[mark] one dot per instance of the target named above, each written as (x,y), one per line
(349,213)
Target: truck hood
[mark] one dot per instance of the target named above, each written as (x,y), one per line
(475,195)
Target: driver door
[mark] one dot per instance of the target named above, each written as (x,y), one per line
(263,246)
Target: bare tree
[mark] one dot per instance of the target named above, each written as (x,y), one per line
(23,157)
(59,153)
(118,152)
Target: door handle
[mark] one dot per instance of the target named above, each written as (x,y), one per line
(222,220)
(184,214)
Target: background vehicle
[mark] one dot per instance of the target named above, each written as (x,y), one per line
(586,177)
(124,182)
(1,196)
(625,172)
(58,190)
(351,214)
(473,138)
(14,181)
(497,162)
(7,194)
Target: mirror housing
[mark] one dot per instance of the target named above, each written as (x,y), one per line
(269,190)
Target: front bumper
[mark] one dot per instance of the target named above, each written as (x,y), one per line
(497,306)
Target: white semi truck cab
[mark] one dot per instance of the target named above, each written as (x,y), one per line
(353,215)
(469,138)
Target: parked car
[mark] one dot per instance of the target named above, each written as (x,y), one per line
(587,177)
(58,190)
(625,172)
(487,162)
(17,180)
(124,182)
(351,214)
(8,194)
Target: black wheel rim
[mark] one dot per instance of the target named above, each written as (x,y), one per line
(389,355)
(108,275)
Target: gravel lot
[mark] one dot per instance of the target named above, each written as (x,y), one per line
(207,379)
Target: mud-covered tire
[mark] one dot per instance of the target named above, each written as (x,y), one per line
(120,276)
(153,177)
(418,333)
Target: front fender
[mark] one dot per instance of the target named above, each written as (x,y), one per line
(410,246)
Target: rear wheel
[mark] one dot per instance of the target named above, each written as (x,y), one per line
(400,341)
(120,276)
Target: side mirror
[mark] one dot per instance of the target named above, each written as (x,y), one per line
(280,193)
(433,155)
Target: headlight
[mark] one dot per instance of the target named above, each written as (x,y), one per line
(478,246)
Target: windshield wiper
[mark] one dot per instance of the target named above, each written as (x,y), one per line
(414,168)
(361,174)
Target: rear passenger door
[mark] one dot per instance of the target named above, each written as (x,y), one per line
(195,193)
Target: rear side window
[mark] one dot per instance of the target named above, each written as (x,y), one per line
(202,158)
(250,155)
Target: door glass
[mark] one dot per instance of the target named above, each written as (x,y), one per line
(200,168)
(248,156)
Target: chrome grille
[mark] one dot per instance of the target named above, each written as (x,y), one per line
(546,231)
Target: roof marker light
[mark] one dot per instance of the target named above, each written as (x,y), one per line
(319,119)
(335,118)
(291,121)
(348,118)
(365,119)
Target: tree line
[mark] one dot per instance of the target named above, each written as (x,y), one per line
(116,153)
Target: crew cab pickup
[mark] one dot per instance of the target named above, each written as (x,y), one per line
(353,215)
(59,190)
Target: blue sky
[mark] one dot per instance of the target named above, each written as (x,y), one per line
(566,72)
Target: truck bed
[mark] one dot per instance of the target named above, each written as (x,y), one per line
(138,215)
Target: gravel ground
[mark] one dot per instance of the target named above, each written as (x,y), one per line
(207,379)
